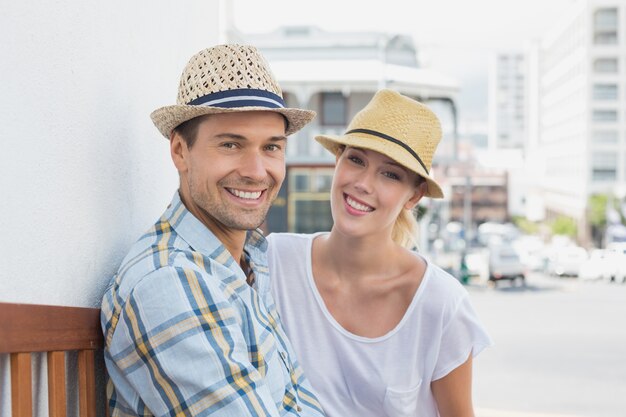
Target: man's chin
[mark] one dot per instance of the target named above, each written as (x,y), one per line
(243,223)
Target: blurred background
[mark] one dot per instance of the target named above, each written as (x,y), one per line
(532,99)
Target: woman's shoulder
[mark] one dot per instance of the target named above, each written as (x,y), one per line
(441,285)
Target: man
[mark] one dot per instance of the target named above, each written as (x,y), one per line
(189,323)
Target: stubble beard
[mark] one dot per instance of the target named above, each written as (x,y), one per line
(228,215)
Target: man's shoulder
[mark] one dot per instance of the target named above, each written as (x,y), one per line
(159,252)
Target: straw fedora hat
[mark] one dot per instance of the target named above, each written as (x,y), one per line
(227,79)
(396,126)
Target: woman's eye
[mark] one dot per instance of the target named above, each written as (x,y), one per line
(355,159)
(391,175)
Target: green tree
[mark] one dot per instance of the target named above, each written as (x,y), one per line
(421,212)
(525,225)
(564,225)
(597,210)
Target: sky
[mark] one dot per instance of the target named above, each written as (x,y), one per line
(455,37)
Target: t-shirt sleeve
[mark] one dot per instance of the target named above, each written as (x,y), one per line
(461,335)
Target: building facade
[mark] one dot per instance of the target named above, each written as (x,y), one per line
(577,130)
(507,101)
(335,74)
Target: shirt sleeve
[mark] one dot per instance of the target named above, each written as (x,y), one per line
(179,344)
(462,334)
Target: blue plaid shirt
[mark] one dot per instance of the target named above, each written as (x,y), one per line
(186,335)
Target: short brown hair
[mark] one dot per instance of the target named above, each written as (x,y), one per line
(189,130)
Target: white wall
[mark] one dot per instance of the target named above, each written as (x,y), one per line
(83,172)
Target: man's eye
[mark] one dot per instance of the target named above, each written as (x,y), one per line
(273,147)
(229,145)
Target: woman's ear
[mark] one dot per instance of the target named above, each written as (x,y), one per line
(420,190)
(338,152)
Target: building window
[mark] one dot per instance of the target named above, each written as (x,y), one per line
(605,19)
(604,166)
(604,115)
(309,199)
(334,109)
(605,38)
(605,26)
(299,182)
(605,65)
(323,181)
(605,91)
(605,137)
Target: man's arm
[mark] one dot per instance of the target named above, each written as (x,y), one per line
(179,344)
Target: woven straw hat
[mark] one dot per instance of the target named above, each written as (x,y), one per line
(227,79)
(396,126)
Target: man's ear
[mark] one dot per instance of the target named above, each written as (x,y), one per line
(179,151)
(420,190)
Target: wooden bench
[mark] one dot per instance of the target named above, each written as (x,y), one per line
(28,328)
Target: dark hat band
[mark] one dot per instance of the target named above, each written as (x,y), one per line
(391,139)
(243,97)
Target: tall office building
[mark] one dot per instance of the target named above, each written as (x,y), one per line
(507,101)
(577,113)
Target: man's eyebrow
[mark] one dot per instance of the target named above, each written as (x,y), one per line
(230,136)
(235,136)
(279,138)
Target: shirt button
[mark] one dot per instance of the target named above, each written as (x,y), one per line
(298,408)
(283,355)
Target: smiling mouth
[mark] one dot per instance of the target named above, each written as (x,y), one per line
(356,205)
(246,195)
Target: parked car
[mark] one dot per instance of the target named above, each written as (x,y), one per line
(616,257)
(598,266)
(566,261)
(505,264)
(531,251)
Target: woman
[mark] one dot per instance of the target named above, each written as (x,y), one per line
(379,330)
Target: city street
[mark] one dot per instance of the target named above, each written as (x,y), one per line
(560,349)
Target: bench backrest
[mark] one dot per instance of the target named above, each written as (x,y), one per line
(29,328)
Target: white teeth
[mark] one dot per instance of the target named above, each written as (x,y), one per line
(245,194)
(358,206)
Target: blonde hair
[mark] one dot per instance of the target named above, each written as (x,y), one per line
(404,231)
(405,228)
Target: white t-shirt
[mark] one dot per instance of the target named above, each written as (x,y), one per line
(388,375)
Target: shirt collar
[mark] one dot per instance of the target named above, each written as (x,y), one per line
(201,239)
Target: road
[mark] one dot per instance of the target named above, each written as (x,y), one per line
(560,349)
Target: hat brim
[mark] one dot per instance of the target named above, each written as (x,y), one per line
(390,149)
(167,118)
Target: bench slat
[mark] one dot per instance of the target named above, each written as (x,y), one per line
(57,401)
(41,328)
(86,383)
(21,385)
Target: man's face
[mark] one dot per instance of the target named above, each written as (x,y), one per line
(234,170)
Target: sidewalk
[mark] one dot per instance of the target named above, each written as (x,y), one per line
(483,412)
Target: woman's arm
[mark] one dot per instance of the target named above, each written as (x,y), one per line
(453,392)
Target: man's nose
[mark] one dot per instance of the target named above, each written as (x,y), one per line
(253,166)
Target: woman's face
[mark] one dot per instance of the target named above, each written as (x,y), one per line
(369,190)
